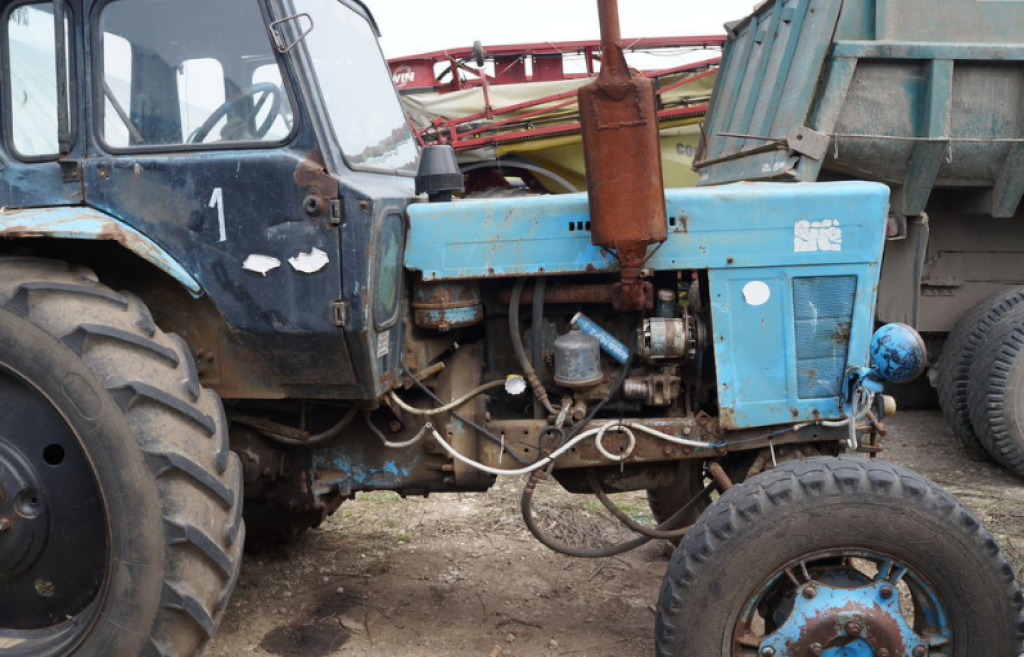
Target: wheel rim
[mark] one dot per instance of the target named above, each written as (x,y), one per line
(849,603)
(54,547)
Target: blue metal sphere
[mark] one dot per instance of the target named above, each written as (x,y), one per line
(898,353)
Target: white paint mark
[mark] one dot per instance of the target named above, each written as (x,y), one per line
(311,262)
(824,235)
(260,264)
(757,293)
(383,344)
(217,201)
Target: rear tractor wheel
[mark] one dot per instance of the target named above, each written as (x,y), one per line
(839,557)
(120,504)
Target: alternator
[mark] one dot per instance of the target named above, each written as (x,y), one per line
(671,338)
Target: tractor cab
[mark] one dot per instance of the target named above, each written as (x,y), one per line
(255,151)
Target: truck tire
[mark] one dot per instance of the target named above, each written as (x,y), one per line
(823,553)
(958,354)
(996,391)
(107,437)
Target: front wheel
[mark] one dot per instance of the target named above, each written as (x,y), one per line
(839,557)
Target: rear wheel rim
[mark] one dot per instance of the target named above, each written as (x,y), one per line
(844,603)
(54,543)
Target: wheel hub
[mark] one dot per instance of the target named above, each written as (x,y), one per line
(24,520)
(53,537)
(865,621)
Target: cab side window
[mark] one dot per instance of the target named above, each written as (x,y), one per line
(170,79)
(31,50)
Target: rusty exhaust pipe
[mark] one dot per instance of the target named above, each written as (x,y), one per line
(622,150)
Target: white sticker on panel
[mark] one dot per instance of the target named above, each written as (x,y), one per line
(824,235)
(757,293)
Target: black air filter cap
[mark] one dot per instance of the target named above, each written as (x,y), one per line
(438,174)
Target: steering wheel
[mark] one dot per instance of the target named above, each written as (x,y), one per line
(264,90)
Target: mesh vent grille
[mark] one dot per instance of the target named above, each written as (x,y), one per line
(823,311)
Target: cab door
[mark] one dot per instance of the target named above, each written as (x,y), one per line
(42,137)
(202,145)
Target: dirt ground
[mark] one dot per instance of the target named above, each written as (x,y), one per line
(458,575)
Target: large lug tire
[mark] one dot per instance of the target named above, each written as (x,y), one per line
(130,420)
(827,551)
(959,353)
(996,391)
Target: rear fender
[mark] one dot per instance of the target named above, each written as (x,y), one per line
(83,223)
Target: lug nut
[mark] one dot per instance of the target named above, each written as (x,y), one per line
(816,649)
(886,592)
(809,592)
(767,651)
(853,629)
(920,651)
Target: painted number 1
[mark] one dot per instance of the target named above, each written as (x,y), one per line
(217,201)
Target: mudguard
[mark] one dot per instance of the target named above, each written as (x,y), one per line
(84,223)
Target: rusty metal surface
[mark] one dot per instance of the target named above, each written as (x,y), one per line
(567,294)
(618,114)
(720,476)
(444,306)
(523,436)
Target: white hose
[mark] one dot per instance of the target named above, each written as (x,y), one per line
(551,458)
(450,405)
(608,455)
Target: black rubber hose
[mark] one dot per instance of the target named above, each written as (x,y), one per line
(526,501)
(290,436)
(597,553)
(624,518)
(517,345)
(495,439)
(537,329)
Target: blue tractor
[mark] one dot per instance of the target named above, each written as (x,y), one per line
(235,293)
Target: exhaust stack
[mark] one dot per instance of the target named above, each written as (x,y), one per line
(622,150)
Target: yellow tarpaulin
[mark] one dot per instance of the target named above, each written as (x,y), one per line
(563,154)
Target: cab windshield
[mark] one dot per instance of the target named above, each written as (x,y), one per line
(356,86)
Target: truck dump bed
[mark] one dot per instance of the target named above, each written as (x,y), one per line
(913,93)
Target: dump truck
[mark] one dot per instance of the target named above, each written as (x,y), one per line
(235,293)
(926,99)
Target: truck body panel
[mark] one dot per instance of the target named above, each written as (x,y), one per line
(895,92)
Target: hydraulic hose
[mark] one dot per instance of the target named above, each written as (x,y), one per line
(526,501)
(537,328)
(529,373)
(291,436)
(490,436)
(479,390)
(673,522)
(624,518)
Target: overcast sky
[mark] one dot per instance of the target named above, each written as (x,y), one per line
(411,27)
